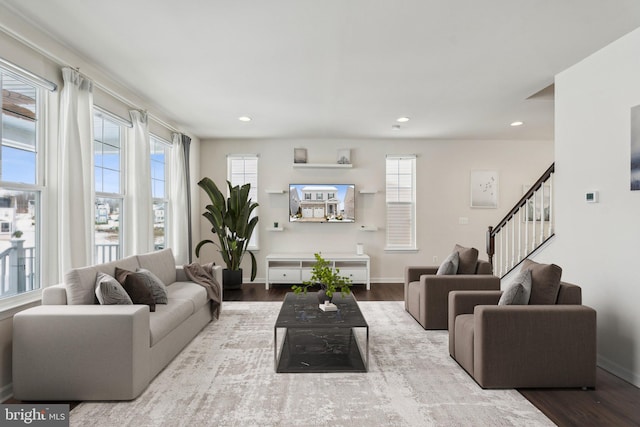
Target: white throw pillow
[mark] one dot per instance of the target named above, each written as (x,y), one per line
(449,265)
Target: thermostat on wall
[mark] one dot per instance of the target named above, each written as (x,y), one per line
(591,197)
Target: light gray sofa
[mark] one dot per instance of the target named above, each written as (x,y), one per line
(71,348)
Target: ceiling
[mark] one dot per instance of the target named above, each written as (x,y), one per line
(458,69)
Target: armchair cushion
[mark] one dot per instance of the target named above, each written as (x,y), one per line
(468,259)
(449,265)
(518,291)
(545,282)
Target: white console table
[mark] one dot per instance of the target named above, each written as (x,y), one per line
(296,268)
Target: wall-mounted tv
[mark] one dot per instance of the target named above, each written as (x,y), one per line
(318,203)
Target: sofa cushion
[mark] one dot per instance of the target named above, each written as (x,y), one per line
(161,263)
(81,282)
(158,289)
(109,291)
(518,290)
(168,317)
(545,282)
(189,291)
(449,265)
(468,259)
(137,286)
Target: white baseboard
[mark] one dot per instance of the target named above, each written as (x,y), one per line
(6,392)
(619,371)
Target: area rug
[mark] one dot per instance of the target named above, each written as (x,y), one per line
(225,377)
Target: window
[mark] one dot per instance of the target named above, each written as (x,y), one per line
(401,193)
(107,147)
(160,150)
(243,169)
(20,184)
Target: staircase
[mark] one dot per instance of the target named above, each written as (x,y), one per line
(526,228)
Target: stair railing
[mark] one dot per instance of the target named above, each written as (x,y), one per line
(527,226)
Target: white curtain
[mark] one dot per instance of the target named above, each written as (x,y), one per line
(179,217)
(76,174)
(138,204)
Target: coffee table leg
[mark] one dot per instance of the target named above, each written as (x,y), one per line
(275,349)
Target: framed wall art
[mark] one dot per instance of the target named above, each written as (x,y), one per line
(484,189)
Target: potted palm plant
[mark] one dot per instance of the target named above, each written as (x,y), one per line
(328,278)
(232,223)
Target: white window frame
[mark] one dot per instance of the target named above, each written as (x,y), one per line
(254,243)
(167,177)
(122,123)
(43,87)
(406,202)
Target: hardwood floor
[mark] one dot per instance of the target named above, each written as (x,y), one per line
(614,402)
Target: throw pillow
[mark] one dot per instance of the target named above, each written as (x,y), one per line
(158,289)
(518,291)
(136,285)
(468,259)
(449,265)
(545,282)
(109,291)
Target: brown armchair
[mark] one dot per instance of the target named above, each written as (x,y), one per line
(426,294)
(521,346)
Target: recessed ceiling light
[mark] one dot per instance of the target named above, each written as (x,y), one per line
(244,118)
(517,123)
(402,119)
(395,127)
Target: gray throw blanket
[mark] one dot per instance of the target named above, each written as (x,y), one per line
(203,276)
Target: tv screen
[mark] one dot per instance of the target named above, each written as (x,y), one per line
(322,203)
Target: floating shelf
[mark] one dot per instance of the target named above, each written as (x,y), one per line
(368,191)
(368,228)
(275,228)
(322,165)
(275,191)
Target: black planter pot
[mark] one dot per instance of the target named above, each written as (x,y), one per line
(231,279)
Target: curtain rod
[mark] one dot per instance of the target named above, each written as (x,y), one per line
(63,63)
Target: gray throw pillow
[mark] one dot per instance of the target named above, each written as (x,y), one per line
(109,291)
(158,289)
(449,265)
(518,291)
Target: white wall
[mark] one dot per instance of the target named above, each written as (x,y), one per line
(597,244)
(442,194)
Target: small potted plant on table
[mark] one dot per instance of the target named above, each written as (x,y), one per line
(329,280)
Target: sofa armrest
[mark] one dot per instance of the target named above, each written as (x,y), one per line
(413,273)
(54,295)
(463,302)
(535,346)
(81,352)
(436,294)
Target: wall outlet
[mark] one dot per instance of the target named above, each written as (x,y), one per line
(463,220)
(435,259)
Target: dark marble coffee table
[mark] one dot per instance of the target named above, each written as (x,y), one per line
(319,341)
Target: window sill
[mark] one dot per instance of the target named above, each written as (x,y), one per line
(12,305)
(401,249)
